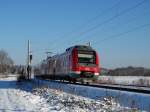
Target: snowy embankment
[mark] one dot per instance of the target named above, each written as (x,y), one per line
(46,96)
(126,99)
(126,80)
(28,97)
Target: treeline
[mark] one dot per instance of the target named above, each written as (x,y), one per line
(128,71)
(6,63)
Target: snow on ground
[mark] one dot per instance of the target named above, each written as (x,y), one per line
(28,97)
(64,102)
(18,98)
(126,80)
(45,96)
(125,99)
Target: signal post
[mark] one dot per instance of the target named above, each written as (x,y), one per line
(29,59)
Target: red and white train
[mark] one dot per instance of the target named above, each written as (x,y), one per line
(77,63)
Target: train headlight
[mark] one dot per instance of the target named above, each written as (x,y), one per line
(76,72)
(96,73)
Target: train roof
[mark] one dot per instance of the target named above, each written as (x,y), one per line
(80,47)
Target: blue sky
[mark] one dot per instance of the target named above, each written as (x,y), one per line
(54,25)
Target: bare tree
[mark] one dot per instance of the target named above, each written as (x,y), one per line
(5,62)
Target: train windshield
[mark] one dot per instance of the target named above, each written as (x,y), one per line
(86,58)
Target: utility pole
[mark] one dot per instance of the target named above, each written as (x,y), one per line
(29,58)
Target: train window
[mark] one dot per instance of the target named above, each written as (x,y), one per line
(87,57)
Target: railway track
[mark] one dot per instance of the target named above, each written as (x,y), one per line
(126,88)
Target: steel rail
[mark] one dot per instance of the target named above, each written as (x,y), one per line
(111,87)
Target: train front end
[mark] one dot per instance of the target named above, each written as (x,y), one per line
(85,64)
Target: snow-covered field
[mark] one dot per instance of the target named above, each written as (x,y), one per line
(126,80)
(45,96)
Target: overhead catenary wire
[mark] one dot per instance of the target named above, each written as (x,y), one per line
(126,24)
(111,19)
(87,23)
(122,33)
(108,20)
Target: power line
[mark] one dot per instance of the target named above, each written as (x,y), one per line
(127,23)
(112,18)
(123,33)
(88,22)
